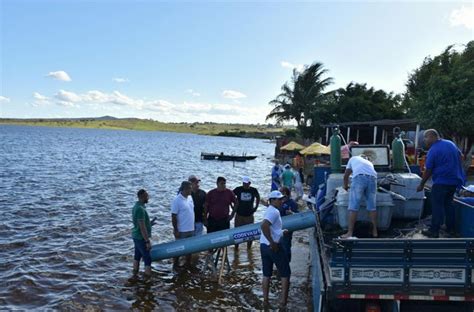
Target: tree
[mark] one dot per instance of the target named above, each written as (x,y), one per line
(440,95)
(304,100)
(370,104)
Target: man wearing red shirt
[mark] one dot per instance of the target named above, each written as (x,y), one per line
(219,202)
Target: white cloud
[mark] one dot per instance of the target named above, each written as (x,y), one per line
(298,67)
(67,104)
(121,80)
(159,109)
(40,99)
(67,96)
(59,75)
(234,95)
(463,17)
(4,99)
(193,93)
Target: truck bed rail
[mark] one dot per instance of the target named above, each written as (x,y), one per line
(407,269)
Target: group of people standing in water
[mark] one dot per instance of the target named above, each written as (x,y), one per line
(193,209)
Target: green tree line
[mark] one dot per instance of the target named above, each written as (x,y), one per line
(439,94)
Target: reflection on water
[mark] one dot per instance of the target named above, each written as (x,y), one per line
(66,197)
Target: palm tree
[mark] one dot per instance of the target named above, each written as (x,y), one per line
(304,100)
(285,108)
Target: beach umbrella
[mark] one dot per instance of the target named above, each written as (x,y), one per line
(292,147)
(316,149)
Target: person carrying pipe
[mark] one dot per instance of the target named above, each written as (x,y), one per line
(363,185)
(271,249)
(288,207)
(141,233)
(182,216)
(219,202)
(199,198)
(248,199)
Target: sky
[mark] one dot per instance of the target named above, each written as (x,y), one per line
(197,61)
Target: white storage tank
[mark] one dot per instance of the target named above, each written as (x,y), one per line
(412,208)
(384,210)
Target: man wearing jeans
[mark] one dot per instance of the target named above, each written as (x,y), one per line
(444,164)
(363,185)
(271,249)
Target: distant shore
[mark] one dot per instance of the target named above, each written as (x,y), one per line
(206,128)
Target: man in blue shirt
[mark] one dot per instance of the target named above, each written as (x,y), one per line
(444,165)
(288,207)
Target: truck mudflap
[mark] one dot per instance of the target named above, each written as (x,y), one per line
(402,269)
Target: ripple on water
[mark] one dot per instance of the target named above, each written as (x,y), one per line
(66,219)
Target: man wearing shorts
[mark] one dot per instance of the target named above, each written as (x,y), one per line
(182,216)
(363,185)
(248,200)
(271,249)
(141,233)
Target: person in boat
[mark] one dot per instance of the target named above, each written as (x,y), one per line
(276,175)
(199,198)
(288,207)
(271,248)
(219,202)
(363,185)
(141,233)
(248,200)
(444,165)
(182,216)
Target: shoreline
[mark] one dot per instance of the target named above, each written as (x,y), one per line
(206,128)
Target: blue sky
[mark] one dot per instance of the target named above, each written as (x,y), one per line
(218,61)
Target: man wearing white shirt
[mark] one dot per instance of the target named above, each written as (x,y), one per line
(182,215)
(271,249)
(363,185)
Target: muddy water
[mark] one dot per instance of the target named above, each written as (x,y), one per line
(66,198)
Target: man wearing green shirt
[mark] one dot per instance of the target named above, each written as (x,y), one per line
(141,233)
(288,177)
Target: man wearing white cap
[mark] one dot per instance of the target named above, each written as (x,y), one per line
(271,249)
(248,200)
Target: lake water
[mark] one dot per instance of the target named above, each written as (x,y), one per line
(66,197)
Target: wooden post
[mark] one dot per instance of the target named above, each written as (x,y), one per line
(375,135)
(223,263)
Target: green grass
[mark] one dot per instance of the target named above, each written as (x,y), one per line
(242,130)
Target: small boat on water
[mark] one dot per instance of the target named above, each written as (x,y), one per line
(224,157)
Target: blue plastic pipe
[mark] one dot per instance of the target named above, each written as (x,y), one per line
(228,237)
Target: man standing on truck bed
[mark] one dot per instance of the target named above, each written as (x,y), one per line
(363,185)
(444,164)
